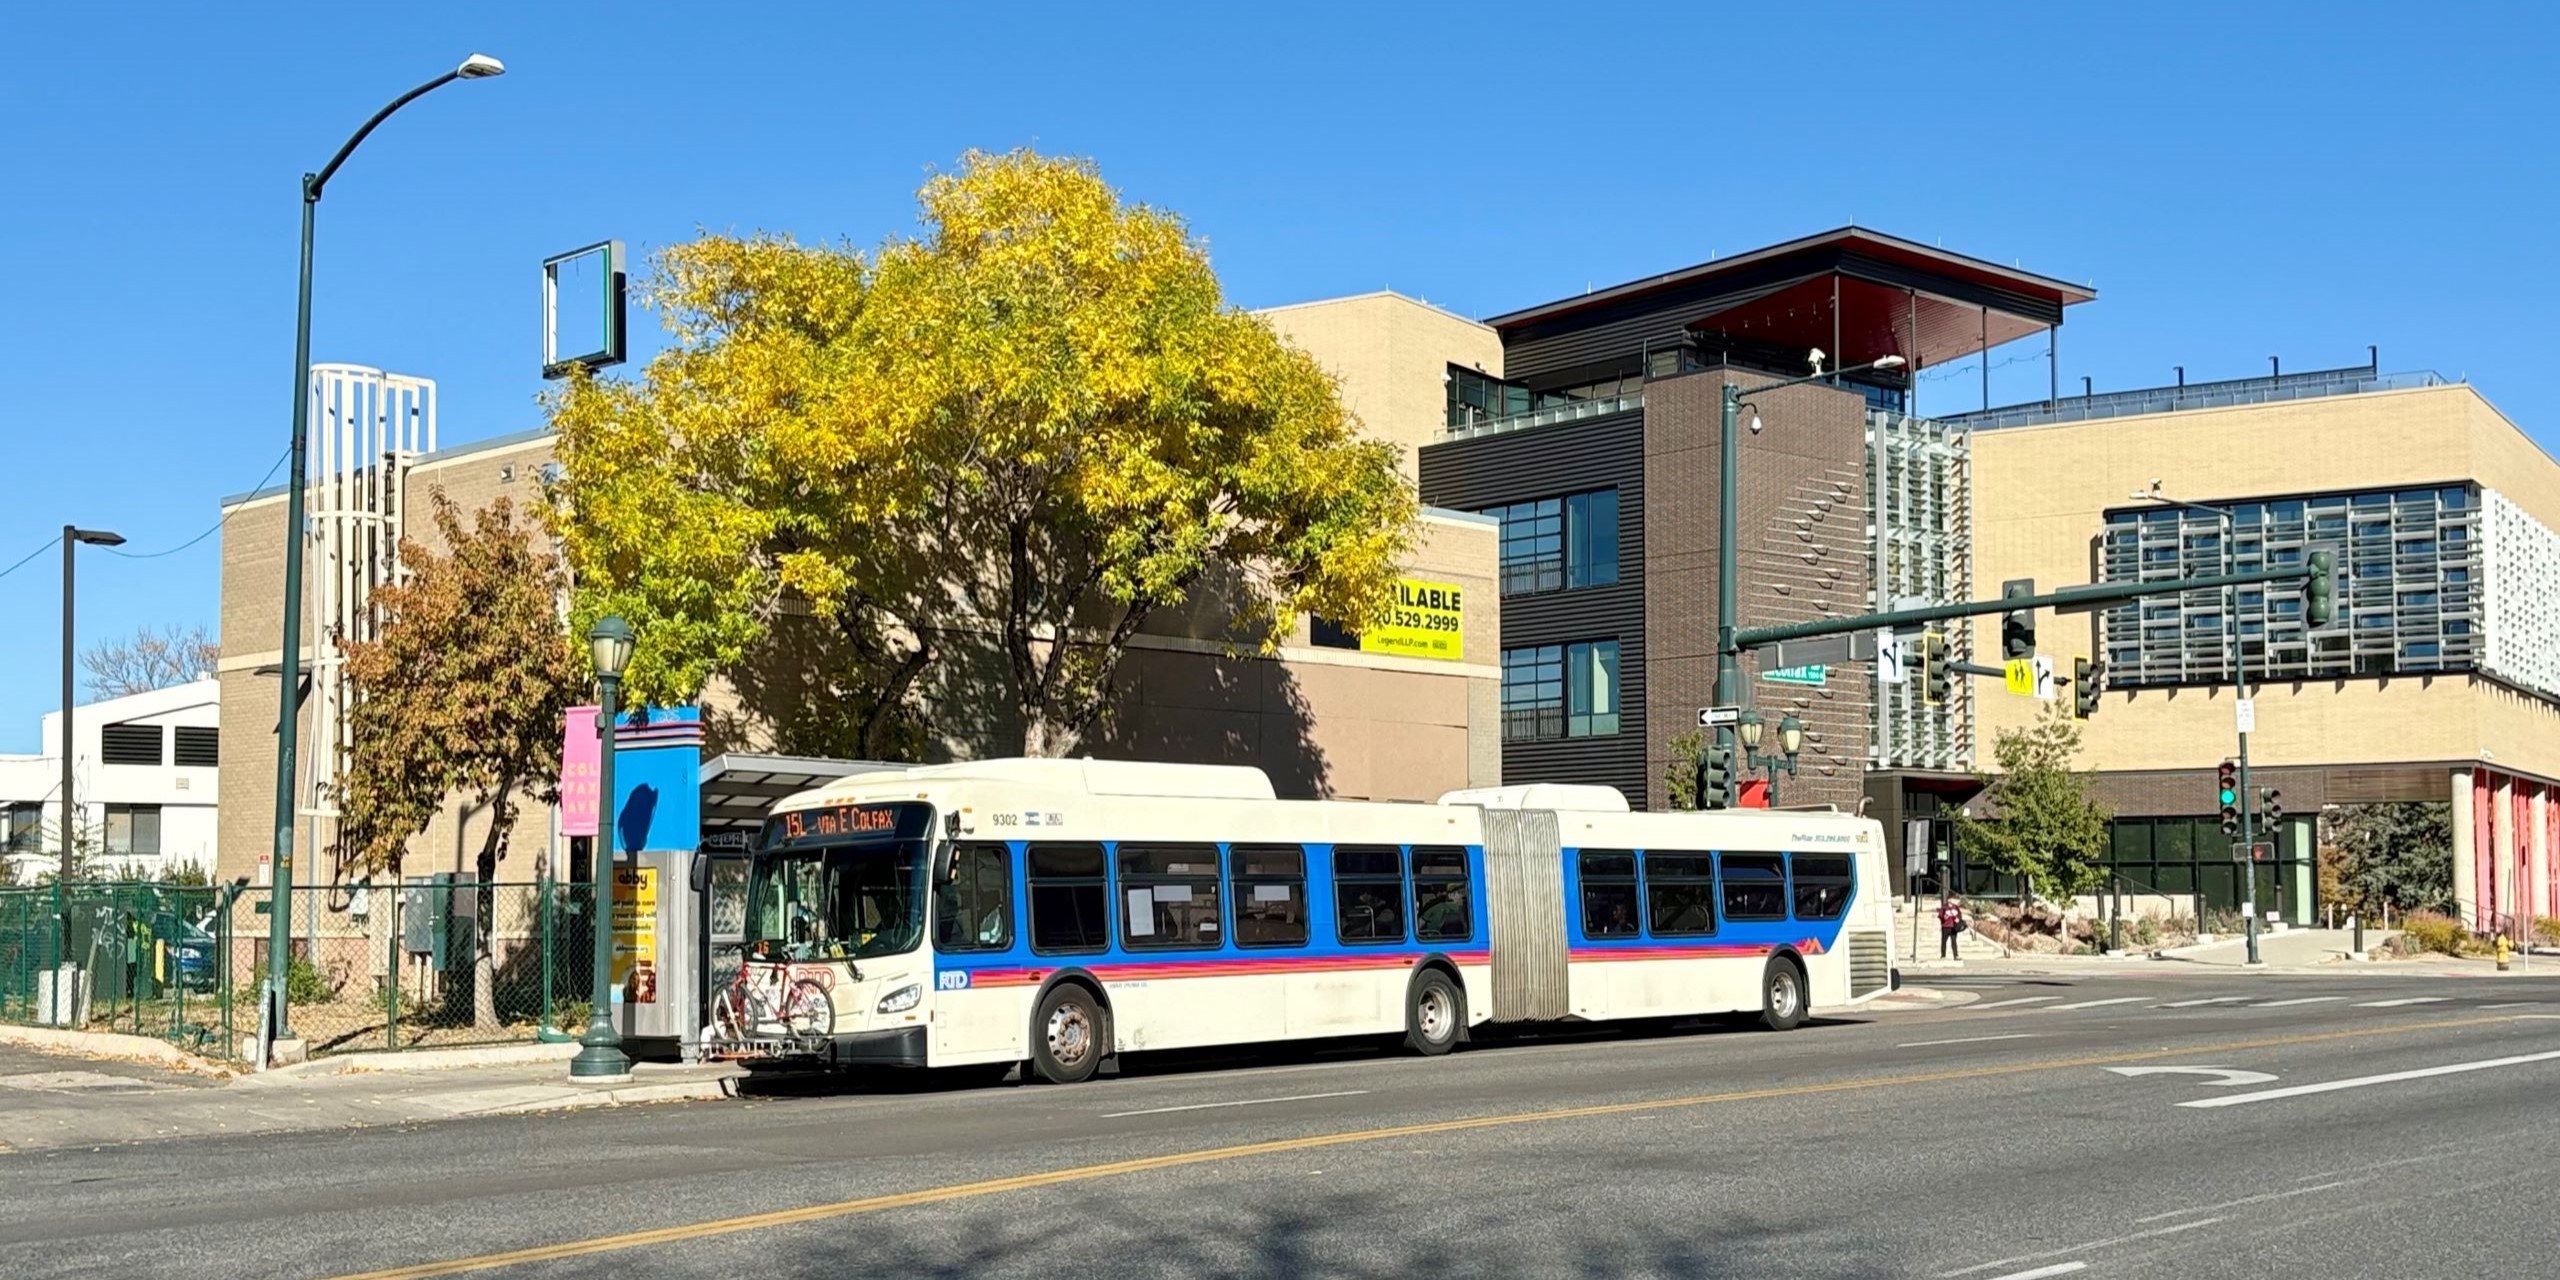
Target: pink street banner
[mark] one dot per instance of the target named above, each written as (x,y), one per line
(580,758)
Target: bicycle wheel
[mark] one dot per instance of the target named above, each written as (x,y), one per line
(808,1011)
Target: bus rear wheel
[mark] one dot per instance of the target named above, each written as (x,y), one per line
(1435,1014)
(1066,1039)
(1782,998)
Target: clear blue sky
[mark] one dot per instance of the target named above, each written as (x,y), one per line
(2297,180)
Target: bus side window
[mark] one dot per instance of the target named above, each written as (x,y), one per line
(975,911)
(1368,893)
(1443,895)
(1171,892)
(1680,893)
(1822,885)
(1070,909)
(1609,893)
(1755,886)
(1271,894)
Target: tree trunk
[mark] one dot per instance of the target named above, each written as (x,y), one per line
(484,954)
(1044,737)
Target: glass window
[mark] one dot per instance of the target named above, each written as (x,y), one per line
(1533,693)
(23,826)
(1169,896)
(1443,895)
(1368,893)
(133,830)
(1591,524)
(1271,894)
(1591,689)
(1755,886)
(1680,893)
(975,911)
(1821,885)
(1532,546)
(1608,893)
(1069,910)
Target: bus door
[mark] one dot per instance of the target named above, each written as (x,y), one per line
(720,879)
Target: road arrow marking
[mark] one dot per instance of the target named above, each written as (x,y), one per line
(2330,1086)
(2230,1076)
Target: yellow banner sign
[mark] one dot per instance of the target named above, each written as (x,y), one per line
(1428,621)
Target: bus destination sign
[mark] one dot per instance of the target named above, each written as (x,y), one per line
(840,821)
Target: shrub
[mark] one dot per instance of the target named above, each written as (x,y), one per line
(2546,931)
(571,1015)
(2424,931)
(2146,931)
(305,984)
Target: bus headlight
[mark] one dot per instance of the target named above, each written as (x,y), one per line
(902,999)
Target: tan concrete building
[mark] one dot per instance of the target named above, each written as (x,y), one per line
(1322,716)
(2439,678)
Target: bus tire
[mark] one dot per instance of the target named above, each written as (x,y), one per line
(1782,994)
(1067,1039)
(1435,1014)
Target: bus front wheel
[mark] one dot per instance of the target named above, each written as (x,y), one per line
(1066,1040)
(1782,997)
(1435,1014)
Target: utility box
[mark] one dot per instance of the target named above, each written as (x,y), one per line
(657,997)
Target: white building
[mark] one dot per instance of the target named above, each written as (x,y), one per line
(145,772)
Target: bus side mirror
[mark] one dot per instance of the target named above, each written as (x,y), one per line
(945,864)
(701,872)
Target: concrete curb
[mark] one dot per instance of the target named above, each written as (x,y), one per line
(1921,1000)
(496,1055)
(108,1044)
(573,1098)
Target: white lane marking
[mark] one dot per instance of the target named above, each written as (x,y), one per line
(2080,1248)
(2229,1075)
(2287,1004)
(1245,1102)
(2394,1004)
(2093,1004)
(1923,1044)
(2057,1269)
(2003,1004)
(2189,1004)
(2380,1165)
(2331,1086)
(2513,1004)
(2234,1204)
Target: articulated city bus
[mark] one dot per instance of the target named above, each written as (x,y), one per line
(1052,913)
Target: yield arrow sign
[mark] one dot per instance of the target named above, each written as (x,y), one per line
(2229,1076)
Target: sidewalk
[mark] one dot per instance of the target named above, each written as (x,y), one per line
(57,1093)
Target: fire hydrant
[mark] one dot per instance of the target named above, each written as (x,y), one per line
(2505,949)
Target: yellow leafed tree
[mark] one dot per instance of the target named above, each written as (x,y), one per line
(1012,438)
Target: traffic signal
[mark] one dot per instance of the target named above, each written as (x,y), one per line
(2319,593)
(2088,679)
(2269,812)
(1936,687)
(2018,627)
(1715,777)
(2227,779)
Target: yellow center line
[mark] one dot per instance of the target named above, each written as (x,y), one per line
(1213,1155)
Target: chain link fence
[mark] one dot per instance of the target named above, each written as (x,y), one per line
(430,963)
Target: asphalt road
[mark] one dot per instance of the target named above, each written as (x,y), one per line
(1992,1142)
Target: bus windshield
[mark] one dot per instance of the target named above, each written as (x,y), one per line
(849,902)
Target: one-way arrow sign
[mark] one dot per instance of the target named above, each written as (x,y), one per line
(2229,1075)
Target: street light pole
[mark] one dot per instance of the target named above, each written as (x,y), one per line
(600,1057)
(72,537)
(478,66)
(1728,490)
(2240,691)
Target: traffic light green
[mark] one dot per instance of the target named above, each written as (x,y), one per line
(2227,783)
(2319,593)
(2088,679)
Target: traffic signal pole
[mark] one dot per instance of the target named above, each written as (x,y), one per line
(2248,805)
(2095,595)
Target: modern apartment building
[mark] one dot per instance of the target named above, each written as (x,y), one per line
(146,774)
(2437,680)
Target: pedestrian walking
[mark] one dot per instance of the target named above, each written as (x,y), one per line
(1950,927)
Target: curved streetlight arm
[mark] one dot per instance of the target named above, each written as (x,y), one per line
(312,183)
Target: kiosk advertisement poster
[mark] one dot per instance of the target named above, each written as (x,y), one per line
(635,934)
